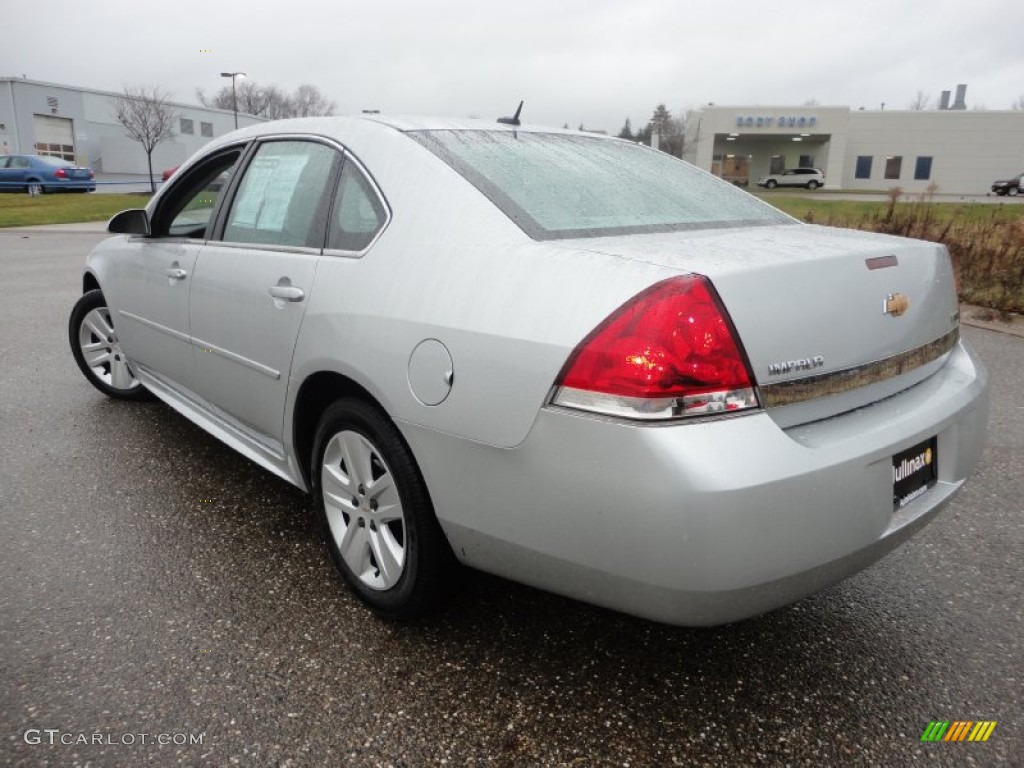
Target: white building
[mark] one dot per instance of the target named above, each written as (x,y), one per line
(960,151)
(79,124)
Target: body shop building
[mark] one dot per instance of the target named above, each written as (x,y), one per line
(960,151)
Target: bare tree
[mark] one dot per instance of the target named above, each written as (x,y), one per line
(1018,104)
(147,116)
(812,102)
(253,99)
(276,103)
(270,101)
(307,101)
(921,102)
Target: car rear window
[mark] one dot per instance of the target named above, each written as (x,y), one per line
(56,162)
(564,185)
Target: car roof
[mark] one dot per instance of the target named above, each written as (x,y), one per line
(331,125)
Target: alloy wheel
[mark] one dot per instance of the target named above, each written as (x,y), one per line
(364,511)
(102,352)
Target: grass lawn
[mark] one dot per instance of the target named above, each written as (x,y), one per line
(20,210)
(838,212)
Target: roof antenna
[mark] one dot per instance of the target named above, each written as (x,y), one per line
(514,120)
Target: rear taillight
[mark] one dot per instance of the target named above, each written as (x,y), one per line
(60,173)
(670,352)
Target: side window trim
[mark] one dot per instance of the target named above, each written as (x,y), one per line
(372,182)
(244,149)
(215,230)
(217,233)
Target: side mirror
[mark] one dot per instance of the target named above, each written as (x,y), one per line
(131,222)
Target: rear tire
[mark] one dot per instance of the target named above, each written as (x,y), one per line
(812,185)
(34,188)
(375,513)
(96,349)
(771,184)
(1012,191)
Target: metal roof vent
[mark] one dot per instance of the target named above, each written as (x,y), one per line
(961,92)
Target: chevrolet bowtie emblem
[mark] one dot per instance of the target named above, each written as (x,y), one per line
(896,304)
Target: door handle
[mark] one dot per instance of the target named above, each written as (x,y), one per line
(176,273)
(287,292)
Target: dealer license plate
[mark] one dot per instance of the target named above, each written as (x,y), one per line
(914,471)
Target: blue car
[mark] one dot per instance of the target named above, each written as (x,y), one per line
(38,173)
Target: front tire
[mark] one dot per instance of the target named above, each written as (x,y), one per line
(375,514)
(97,350)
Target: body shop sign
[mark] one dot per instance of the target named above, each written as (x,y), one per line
(767,121)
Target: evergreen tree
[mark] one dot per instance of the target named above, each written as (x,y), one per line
(627,131)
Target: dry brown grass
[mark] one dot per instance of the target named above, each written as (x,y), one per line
(987,250)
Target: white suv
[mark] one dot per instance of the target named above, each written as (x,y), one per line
(812,178)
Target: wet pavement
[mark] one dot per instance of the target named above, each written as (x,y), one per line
(153,584)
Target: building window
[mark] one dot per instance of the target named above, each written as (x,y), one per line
(806,161)
(923,169)
(63,151)
(187,126)
(893,166)
(206,129)
(863,167)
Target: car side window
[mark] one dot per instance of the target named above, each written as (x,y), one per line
(19,162)
(358,212)
(189,204)
(282,195)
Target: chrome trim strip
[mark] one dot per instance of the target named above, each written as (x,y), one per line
(298,249)
(205,346)
(835,382)
(156,326)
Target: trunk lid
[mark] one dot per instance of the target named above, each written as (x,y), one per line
(830,319)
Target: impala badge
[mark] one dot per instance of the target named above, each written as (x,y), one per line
(803,364)
(896,304)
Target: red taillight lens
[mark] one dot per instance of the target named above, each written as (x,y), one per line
(669,352)
(60,173)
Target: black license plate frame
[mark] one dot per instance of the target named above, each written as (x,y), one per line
(914,471)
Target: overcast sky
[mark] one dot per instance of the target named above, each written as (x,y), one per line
(573,61)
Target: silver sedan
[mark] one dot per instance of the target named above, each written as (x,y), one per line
(569,360)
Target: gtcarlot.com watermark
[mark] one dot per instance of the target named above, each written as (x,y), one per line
(54,736)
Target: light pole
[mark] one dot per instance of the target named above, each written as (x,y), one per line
(234,94)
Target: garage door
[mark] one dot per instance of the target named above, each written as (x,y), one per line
(55,136)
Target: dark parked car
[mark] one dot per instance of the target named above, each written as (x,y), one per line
(1009,187)
(38,173)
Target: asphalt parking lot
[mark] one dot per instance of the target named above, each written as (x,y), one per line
(154,583)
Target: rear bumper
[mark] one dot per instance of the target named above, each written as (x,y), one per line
(702,523)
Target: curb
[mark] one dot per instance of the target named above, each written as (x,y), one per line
(972,315)
(82,228)
(1011,329)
